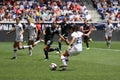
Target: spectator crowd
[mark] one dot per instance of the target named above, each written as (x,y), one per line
(108,9)
(44,10)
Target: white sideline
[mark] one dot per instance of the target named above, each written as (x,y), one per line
(65,46)
(107,49)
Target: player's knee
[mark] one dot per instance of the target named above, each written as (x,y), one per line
(20,47)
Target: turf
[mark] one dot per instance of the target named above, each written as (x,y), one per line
(98,63)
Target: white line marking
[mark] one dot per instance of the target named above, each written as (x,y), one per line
(107,49)
(65,46)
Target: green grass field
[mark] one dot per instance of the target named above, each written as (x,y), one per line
(98,63)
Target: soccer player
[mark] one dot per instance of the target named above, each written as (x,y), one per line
(19,37)
(32,34)
(49,33)
(86,29)
(64,31)
(108,32)
(39,28)
(74,46)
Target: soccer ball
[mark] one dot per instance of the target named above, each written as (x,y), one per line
(53,66)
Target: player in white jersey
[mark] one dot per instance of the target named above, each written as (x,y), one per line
(19,37)
(108,32)
(74,46)
(32,34)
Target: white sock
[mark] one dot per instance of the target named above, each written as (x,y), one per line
(30,52)
(63,59)
(15,54)
(109,41)
(37,42)
(24,47)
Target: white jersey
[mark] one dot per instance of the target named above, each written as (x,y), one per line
(19,28)
(77,45)
(108,29)
(31,30)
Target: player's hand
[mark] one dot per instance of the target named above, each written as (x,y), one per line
(69,47)
(7,32)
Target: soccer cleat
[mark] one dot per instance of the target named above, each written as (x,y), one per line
(46,59)
(30,53)
(87,48)
(64,67)
(61,66)
(108,45)
(90,40)
(14,58)
(57,49)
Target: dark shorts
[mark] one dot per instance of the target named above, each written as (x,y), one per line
(86,38)
(48,42)
(65,35)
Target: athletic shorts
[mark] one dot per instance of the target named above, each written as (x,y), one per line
(65,35)
(75,50)
(108,35)
(19,38)
(32,38)
(48,42)
(86,38)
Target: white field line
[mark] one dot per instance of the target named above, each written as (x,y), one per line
(65,46)
(109,49)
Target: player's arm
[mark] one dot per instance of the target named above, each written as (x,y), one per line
(71,42)
(36,30)
(67,42)
(83,29)
(112,29)
(22,31)
(13,29)
(87,33)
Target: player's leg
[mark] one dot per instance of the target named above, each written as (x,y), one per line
(59,43)
(86,39)
(46,51)
(64,57)
(30,43)
(106,39)
(15,50)
(109,41)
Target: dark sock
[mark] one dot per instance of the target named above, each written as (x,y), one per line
(59,43)
(51,49)
(87,44)
(46,54)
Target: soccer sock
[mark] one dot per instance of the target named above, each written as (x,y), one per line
(59,43)
(63,59)
(37,42)
(51,49)
(109,41)
(30,52)
(15,54)
(87,44)
(46,54)
(24,47)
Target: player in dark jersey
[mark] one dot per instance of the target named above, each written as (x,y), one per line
(86,29)
(64,31)
(49,33)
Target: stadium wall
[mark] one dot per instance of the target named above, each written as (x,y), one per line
(97,35)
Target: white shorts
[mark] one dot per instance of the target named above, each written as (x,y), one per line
(19,38)
(75,50)
(108,35)
(32,38)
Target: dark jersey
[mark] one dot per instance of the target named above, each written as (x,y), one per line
(86,27)
(50,32)
(64,27)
